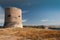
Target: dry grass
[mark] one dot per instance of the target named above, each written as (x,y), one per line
(31,33)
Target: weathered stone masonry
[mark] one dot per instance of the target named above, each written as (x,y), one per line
(13,17)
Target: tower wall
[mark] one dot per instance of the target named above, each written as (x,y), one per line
(13,17)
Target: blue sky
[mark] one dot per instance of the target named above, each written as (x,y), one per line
(35,12)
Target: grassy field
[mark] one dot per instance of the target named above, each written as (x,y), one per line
(29,34)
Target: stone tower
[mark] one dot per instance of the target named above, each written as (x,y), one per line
(13,17)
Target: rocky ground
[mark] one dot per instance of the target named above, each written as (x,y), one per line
(29,34)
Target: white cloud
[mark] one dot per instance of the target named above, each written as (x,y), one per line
(25,11)
(1,20)
(1,12)
(1,15)
(44,20)
(24,20)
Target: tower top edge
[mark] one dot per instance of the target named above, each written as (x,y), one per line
(12,8)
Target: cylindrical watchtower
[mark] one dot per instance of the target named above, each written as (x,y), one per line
(13,17)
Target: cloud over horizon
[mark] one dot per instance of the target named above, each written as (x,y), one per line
(24,20)
(45,20)
(1,16)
